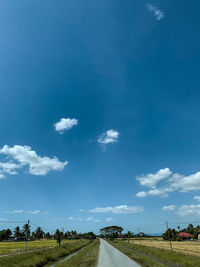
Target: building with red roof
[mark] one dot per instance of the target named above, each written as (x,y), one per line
(185,236)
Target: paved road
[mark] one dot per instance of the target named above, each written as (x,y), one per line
(112,257)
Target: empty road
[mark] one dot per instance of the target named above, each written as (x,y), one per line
(112,257)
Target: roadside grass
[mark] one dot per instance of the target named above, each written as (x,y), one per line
(143,260)
(42,257)
(85,258)
(145,255)
(12,247)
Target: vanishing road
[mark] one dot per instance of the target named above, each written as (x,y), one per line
(112,257)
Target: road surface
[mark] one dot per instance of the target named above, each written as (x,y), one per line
(112,257)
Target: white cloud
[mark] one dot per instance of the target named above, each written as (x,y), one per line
(26,156)
(14,211)
(65,124)
(197,198)
(109,219)
(152,179)
(91,219)
(169,208)
(110,136)
(8,167)
(33,212)
(172,182)
(189,210)
(122,209)
(158,14)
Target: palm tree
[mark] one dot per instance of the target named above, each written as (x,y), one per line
(17,232)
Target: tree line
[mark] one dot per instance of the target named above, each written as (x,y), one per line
(173,233)
(25,233)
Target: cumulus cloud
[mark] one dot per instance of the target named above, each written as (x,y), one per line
(65,124)
(197,198)
(172,182)
(110,136)
(91,219)
(109,219)
(189,210)
(33,212)
(26,156)
(152,179)
(158,14)
(122,209)
(169,208)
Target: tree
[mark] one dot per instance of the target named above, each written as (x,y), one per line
(47,235)
(26,230)
(111,231)
(170,234)
(58,237)
(39,233)
(5,234)
(17,232)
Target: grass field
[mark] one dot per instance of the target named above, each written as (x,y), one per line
(156,257)
(12,247)
(85,258)
(191,248)
(42,257)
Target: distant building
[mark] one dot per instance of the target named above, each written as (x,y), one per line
(185,236)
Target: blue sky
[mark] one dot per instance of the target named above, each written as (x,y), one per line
(100,102)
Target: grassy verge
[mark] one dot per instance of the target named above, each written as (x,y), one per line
(150,256)
(85,258)
(40,258)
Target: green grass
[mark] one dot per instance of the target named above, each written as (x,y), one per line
(42,257)
(86,257)
(150,256)
(12,247)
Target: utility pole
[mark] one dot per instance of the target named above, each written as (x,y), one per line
(27,235)
(169,235)
(139,235)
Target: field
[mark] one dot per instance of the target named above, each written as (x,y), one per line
(42,257)
(191,248)
(14,247)
(151,256)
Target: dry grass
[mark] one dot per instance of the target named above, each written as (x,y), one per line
(186,247)
(13,247)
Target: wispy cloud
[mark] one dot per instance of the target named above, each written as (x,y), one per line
(172,182)
(109,219)
(71,218)
(28,157)
(110,136)
(122,209)
(65,124)
(169,208)
(158,14)
(91,219)
(189,210)
(197,198)
(33,212)
(81,210)
(15,211)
